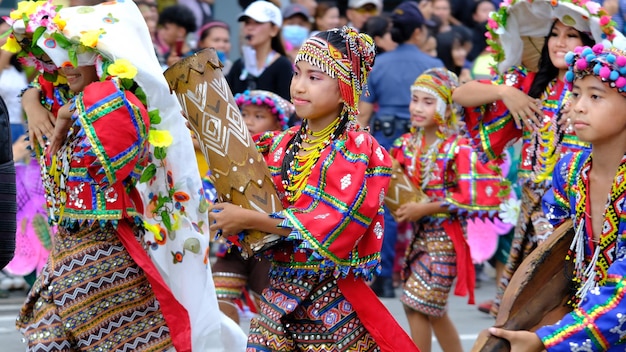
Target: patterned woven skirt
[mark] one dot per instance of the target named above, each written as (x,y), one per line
(531,230)
(430,270)
(307,315)
(92,296)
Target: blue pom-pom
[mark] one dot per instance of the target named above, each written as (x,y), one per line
(590,57)
(622,70)
(569,57)
(569,76)
(614,75)
(596,69)
(611,58)
(587,51)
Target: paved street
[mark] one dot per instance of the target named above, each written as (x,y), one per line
(469,321)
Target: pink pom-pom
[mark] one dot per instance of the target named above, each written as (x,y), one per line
(621,61)
(579,49)
(620,82)
(582,64)
(598,48)
(605,72)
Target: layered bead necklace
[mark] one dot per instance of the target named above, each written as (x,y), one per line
(297,167)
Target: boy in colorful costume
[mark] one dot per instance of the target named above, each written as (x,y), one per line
(521,103)
(580,181)
(114,195)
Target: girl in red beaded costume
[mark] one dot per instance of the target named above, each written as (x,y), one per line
(332,180)
(442,164)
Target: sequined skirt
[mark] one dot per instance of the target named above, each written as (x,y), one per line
(307,314)
(92,296)
(430,270)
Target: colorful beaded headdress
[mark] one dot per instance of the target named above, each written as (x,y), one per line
(605,62)
(351,70)
(440,83)
(516,30)
(280,107)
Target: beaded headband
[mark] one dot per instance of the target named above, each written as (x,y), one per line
(607,63)
(351,70)
(281,108)
(440,83)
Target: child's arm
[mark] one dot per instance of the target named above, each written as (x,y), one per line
(413,211)
(524,109)
(232,219)
(40,120)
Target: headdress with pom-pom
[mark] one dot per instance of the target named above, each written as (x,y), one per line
(280,107)
(351,70)
(605,62)
(440,83)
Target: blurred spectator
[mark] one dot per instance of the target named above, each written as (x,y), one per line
(150,12)
(480,14)
(264,64)
(426,8)
(441,9)
(379,28)
(12,82)
(389,87)
(310,5)
(430,45)
(452,52)
(360,10)
(201,10)
(296,28)
(216,34)
(176,22)
(326,17)
(245,3)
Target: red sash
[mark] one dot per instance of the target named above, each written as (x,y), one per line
(383,327)
(466,276)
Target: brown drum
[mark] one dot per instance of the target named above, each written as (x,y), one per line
(238,170)
(401,189)
(537,293)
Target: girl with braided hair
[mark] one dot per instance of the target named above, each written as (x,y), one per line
(332,178)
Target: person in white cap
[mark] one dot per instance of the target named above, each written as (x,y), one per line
(264,64)
(360,10)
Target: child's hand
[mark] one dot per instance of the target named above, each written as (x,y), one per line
(20,150)
(63,124)
(521,341)
(411,212)
(524,109)
(227,219)
(40,125)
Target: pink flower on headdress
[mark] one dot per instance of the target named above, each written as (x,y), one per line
(593,7)
(32,61)
(42,18)
(604,20)
(492,23)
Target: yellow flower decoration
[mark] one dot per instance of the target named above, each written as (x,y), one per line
(160,138)
(155,229)
(122,68)
(59,22)
(11,45)
(25,8)
(90,38)
(60,80)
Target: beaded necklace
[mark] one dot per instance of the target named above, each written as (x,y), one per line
(296,167)
(424,165)
(593,272)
